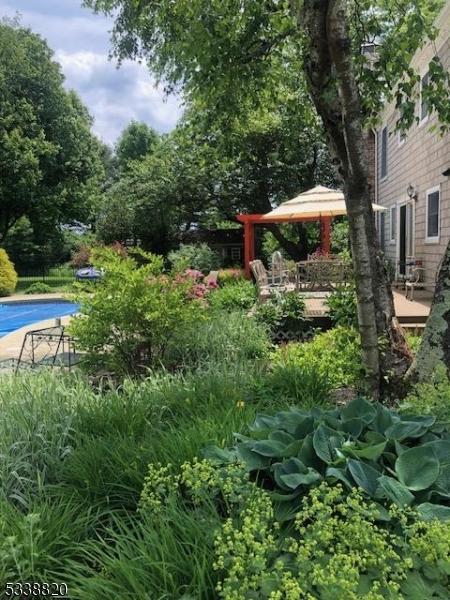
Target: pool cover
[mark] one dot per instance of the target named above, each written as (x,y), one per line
(14,315)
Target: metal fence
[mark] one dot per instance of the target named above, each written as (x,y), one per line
(53,276)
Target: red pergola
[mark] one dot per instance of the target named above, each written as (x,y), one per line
(250,221)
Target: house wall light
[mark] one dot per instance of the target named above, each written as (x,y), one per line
(446,173)
(411,191)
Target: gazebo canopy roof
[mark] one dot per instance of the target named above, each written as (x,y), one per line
(318,202)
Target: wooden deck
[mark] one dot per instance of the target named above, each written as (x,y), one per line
(411,314)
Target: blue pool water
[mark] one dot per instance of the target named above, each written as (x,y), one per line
(14,315)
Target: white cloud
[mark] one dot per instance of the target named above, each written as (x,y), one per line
(80,40)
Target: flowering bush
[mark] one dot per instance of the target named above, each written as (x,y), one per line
(200,285)
(128,319)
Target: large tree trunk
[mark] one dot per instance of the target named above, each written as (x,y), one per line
(434,350)
(333,87)
(296,251)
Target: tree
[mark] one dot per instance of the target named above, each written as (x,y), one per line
(136,142)
(225,51)
(265,153)
(157,197)
(49,160)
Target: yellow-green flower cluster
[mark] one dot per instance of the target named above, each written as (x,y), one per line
(244,549)
(338,548)
(339,541)
(431,542)
(159,486)
(203,480)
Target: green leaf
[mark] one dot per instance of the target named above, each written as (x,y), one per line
(384,418)
(395,491)
(442,483)
(359,409)
(429,511)
(264,423)
(425,420)
(270,448)
(292,449)
(252,460)
(401,430)
(442,450)
(281,436)
(294,480)
(369,452)
(219,455)
(340,475)
(417,468)
(415,587)
(353,426)
(308,455)
(293,465)
(304,427)
(325,442)
(364,475)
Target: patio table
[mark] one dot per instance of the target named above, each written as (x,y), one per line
(326,274)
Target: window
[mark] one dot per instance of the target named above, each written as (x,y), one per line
(235,254)
(393,224)
(432,214)
(384,152)
(423,103)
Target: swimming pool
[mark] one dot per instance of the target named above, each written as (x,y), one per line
(14,315)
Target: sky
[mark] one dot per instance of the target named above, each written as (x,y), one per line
(81,42)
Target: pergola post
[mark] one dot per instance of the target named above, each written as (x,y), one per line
(249,240)
(249,246)
(325,234)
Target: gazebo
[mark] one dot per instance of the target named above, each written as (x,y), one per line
(318,204)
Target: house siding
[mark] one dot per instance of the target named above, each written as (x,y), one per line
(419,161)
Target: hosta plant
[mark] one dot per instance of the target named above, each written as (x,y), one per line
(393,458)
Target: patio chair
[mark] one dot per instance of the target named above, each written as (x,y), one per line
(415,281)
(279,272)
(264,280)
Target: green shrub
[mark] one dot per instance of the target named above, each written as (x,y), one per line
(431,397)
(8,275)
(39,287)
(339,236)
(227,276)
(195,256)
(297,384)
(361,445)
(413,341)
(284,313)
(128,319)
(342,307)
(335,354)
(236,295)
(219,339)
